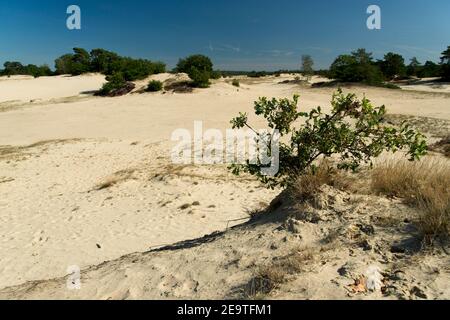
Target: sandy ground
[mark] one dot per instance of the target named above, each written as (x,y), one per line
(85,180)
(428,85)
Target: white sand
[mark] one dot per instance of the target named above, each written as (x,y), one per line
(26,88)
(51,218)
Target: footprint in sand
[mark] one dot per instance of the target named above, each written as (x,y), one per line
(39,238)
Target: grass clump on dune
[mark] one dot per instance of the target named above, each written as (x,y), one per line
(423,185)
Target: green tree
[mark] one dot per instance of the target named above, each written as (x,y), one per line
(13,68)
(445,64)
(198,67)
(81,62)
(307,66)
(73,64)
(393,66)
(357,67)
(353,133)
(362,56)
(429,70)
(413,67)
(101,60)
(344,68)
(38,71)
(63,64)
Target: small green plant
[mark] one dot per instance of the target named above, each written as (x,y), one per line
(154,86)
(236,83)
(353,131)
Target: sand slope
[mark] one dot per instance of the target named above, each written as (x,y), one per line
(85,180)
(356,234)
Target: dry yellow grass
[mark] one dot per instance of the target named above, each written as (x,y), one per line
(115,178)
(307,185)
(424,185)
(269,278)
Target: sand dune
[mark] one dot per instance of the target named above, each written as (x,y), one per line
(90,180)
(26,88)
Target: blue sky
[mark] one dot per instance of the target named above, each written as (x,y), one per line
(236,34)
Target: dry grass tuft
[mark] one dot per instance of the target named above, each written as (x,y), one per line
(22,152)
(424,185)
(306,186)
(269,278)
(264,282)
(114,179)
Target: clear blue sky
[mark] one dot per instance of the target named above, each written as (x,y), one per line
(236,34)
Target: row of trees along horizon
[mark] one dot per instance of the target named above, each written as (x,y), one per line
(358,66)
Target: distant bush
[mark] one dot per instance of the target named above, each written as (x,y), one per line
(216,75)
(430,70)
(16,68)
(116,86)
(393,66)
(256,74)
(357,67)
(132,69)
(74,64)
(102,60)
(154,86)
(307,66)
(445,62)
(200,77)
(236,83)
(107,63)
(37,72)
(198,67)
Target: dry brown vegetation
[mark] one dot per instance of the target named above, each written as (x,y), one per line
(268,278)
(307,185)
(442,146)
(424,185)
(115,178)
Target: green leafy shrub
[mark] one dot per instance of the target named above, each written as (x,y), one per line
(216,75)
(198,67)
(154,86)
(116,85)
(236,83)
(200,78)
(354,131)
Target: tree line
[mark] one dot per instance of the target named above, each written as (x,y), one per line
(82,61)
(358,66)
